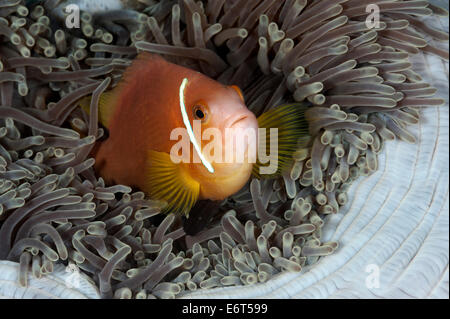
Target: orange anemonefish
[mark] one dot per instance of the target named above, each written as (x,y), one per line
(152,99)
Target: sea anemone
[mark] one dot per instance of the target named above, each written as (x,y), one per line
(358,82)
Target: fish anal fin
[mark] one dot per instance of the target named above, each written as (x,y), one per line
(170,182)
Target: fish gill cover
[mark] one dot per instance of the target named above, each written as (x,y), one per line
(357,80)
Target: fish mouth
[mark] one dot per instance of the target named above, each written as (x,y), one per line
(245,132)
(238,121)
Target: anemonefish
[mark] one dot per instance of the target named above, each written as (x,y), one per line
(153,98)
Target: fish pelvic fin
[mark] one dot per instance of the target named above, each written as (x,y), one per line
(106,107)
(169,182)
(293,135)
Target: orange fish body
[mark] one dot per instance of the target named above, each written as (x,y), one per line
(147,105)
(146,108)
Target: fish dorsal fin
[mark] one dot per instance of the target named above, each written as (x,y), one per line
(107,101)
(106,107)
(143,64)
(132,74)
(293,134)
(171,183)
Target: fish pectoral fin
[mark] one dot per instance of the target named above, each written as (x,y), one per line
(171,183)
(293,134)
(105,107)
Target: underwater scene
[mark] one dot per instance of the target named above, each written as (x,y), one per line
(162,149)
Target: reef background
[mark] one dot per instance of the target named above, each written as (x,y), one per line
(359,83)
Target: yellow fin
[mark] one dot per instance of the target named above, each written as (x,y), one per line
(106,107)
(293,134)
(170,182)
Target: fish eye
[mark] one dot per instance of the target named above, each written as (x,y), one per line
(200,113)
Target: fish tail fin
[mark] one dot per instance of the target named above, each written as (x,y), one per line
(85,104)
(105,107)
(169,182)
(293,134)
